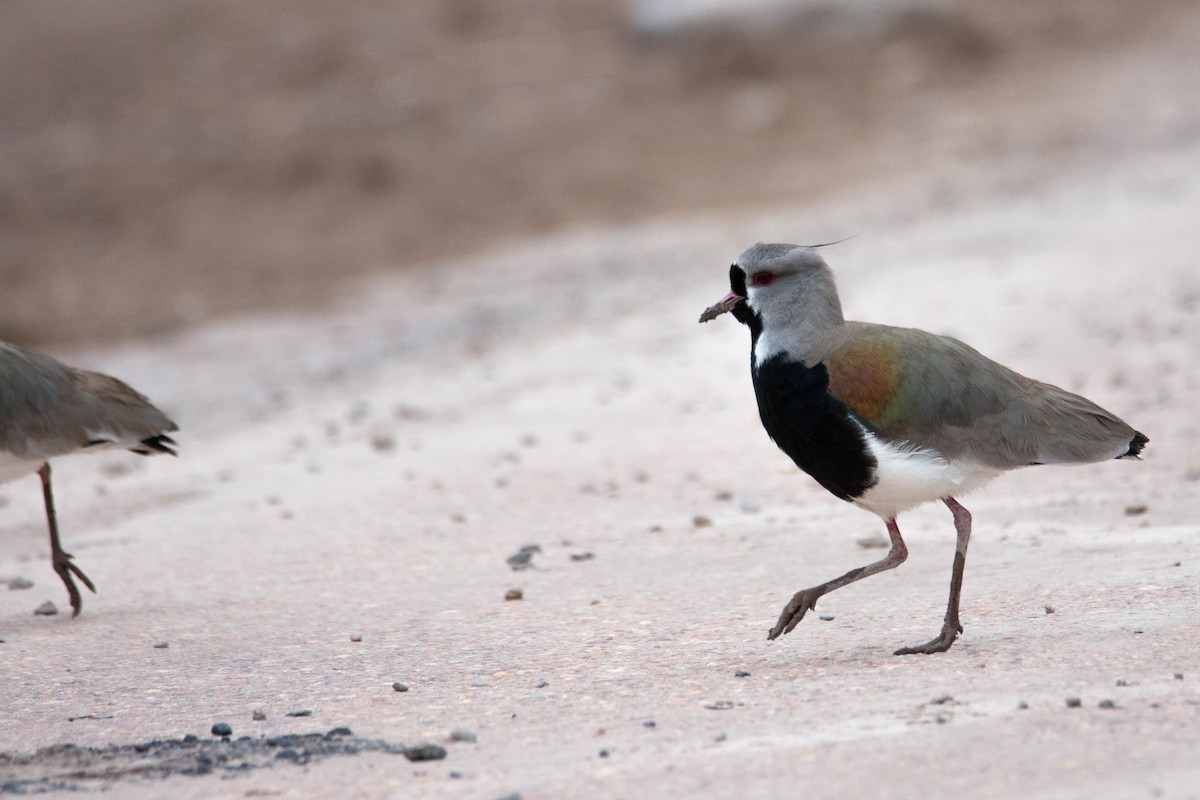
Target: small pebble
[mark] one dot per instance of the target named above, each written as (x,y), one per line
(462,736)
(582,556)
(720,737)
(425,752)
(1122,682)
(872,542)
(305,713)
(649,724)
(523,558)
(825,617)
(1022,706)
(699,521)
(514,594)
(1074,702)
(542,684)
(741,673)
(258,715)
(399,687)
(339,731)
(46,609)
(162,645)
(356,637)
(723,496)
(1049,609)
(222,729)
(1178,676)
(1135,509)
(942,700)
(604,754)
(20,583)
(455,775)
(1107,704)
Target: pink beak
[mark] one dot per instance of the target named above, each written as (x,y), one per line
(726,303)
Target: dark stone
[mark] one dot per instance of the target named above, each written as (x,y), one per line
(425,752)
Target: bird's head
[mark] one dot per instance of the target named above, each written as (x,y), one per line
(777,282)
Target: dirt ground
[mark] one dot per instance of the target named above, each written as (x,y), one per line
(168,163)
(364,448)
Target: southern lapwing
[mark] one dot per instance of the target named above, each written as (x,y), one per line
(48,409)
(889,418)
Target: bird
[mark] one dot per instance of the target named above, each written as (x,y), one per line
(48,409)
(890,418)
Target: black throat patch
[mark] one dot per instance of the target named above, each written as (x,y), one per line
(742,312)
(814,428)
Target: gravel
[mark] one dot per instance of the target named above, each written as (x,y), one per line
(425,752)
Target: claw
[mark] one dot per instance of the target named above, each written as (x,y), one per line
(65,568)
(939,644)
(801,603)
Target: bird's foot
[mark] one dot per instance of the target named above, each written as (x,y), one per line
(939,644)
(801,603)
(65,567)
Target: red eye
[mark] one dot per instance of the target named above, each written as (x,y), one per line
(763,278)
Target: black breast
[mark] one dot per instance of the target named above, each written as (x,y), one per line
(812,426)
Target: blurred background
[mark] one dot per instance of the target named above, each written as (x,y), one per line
(163,163)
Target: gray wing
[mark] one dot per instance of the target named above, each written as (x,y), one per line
(48,409)
(937,392)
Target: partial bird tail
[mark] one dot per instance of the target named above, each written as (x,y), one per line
(156,444)
(1136,444)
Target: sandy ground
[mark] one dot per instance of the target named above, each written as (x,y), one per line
(366,471)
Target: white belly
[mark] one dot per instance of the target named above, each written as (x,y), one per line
(908,476)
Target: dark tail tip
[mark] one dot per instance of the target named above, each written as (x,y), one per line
(1136,444)
(156,444)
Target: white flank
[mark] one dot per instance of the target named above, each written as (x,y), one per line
(909,476)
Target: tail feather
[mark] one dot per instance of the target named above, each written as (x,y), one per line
(155,444)
(1136,444)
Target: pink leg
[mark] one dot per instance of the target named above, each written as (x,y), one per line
(951,627)
(806,599)
(59,558)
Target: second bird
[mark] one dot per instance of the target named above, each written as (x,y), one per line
(48,409)
(889,418)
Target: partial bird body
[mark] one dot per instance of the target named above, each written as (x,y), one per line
(48,409)
(889,418)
